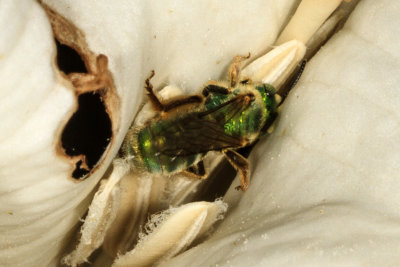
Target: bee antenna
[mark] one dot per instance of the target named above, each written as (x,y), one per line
(298,75)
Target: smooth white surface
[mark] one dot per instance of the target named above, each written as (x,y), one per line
(324,190)
(35,211)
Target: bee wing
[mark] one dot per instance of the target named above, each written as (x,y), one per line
(201,132)
(226,111)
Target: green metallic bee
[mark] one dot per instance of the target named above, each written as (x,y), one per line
(227,116)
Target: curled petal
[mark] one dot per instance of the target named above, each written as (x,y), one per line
(277,65)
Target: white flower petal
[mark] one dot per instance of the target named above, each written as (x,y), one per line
(35,191)
(41,201)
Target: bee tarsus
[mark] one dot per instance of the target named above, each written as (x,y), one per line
(241,165)
(165,107)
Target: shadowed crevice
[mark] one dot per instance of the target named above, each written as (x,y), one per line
(68,60)
(87,133)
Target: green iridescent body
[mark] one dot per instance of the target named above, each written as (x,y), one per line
(228,115)
(172,142)
(147,146)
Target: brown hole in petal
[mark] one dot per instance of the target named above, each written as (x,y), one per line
(88,133)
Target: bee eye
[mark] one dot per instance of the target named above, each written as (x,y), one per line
(245,81)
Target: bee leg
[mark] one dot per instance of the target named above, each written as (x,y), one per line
(150,93)
(241,164)
(197,170)
(298,75)
(234,69)
(183,101)
(171,105)
(215,89)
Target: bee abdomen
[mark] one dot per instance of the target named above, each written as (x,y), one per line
(150,154)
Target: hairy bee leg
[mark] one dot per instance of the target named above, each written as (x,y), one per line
(198,170)
(212,88)
(241,164)
(183,101)
(234,69)
(150,93)
(171,105)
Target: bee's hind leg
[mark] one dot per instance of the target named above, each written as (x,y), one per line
(197,170)
(241,164)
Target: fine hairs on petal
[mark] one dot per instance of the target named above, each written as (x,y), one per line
(154,221)
(178,189)
(169,232)
(223,208)
(102,213)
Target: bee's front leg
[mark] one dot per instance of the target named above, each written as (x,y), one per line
(241,164)
(234,69)
(184,100)
(152,96)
